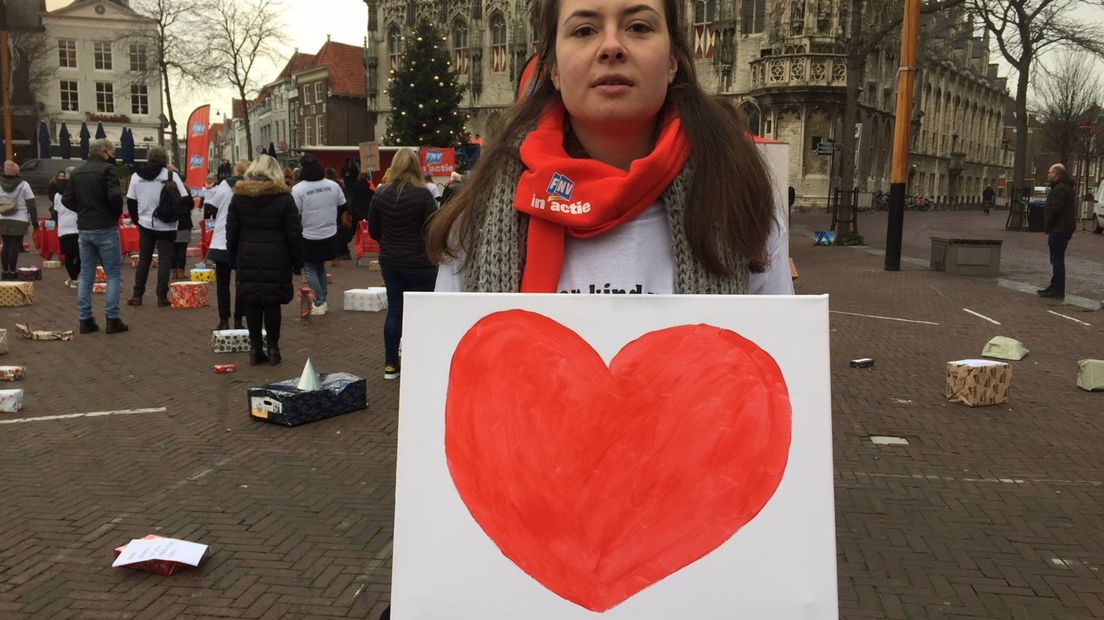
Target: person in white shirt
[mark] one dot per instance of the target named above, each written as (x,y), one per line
(317,199)
(431,185)
(68,237)
(143,195)
(219,199)
(17,212)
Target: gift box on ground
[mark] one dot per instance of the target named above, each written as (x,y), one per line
(99,287)
(3,341)
(231,340)
(824,237)
(977,383)
(1090,375)
(27,274)
(51,264)
(371,299)
(192,252)
(12,373)
(101,275)
(134,260)
(160,565)
(16,294)
(11,401)
(373,265)
(202,275)
(188,294)
(284,403)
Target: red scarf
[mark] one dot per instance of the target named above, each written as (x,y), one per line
(584,198)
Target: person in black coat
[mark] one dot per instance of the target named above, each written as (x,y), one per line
(397,219)
(360,194)
(264,239)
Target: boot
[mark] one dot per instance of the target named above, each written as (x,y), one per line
(257,356)
(163,302)
(224,323)
(115,326)
(135,301)
(87,326)
(274,356)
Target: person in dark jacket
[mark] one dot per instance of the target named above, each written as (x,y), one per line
(264,240)
(360,194)
(456,182)
(397,219)
(1060,220)
(94,194)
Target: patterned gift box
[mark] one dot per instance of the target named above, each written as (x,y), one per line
(11,401)
(16,294)
(371,299)
(202,275)
(977,383)
(101,275)
(192,252)
(99,287)
(51,264)
(284,403)
(134,261)
(3,341)
(188,294)
(231,340)
(27,274)
(12,373)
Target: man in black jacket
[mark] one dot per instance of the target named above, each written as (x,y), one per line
(94,194)
(1059,224)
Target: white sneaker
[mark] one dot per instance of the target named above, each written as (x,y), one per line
(319,310)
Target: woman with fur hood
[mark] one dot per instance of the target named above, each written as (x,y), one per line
(264,240)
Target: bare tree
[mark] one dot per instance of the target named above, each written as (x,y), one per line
(175,48)
(1063,97)
(241,33)
(1024,29)
(33,70)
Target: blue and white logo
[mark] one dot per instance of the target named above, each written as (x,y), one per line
(560,187)
(434,157)
(198,129)
(196,161)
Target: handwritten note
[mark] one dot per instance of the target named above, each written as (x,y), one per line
(172,549)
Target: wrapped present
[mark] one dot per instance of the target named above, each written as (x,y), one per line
(49,225)
(12,373)
(162,565)
(16,294)
(977,383)
(99,287)
(1004,348)
(188,294)
(231,340)
(371,299)
(11,401)
(134,261)
(373,265)
(192,252)
(202,275)
(42,334)
(284,403)
(51,264)
(1090,375)
(3,341)
(27,274)
(101,275)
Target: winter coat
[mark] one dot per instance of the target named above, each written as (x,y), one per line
(264,241)
(397,219)
(1061,214)
(360,195)
(94,193)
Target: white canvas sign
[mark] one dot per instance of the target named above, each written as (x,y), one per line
(565,457)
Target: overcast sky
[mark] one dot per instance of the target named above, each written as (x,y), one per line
(307,25)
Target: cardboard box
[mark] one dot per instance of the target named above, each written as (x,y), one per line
(51,264)
(27,274)
(11,401)
(12,373)
(14,294)
(231,340)
(202,275)
(371,299)
(1090,375)
(189,294)
(977,383)
(284,403)
(3,341)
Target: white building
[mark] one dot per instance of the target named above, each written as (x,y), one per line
(104,74)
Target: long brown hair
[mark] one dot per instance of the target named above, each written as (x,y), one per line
(730,207)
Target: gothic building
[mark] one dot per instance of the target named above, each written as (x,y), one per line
(782,62)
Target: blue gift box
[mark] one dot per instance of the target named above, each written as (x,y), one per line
(284,403)
(824,237)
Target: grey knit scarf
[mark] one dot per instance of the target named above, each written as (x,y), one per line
(496,257)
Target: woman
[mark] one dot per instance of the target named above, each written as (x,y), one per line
(143,195)
(17,212)
(397,218)
(615,172)
(220,200)
(67,229)
(264,241)
(317,199)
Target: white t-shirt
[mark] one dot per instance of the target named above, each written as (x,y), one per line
(219,197)
(22,195)
(635,258)
(67,218)
(433,189)
(318,202)
(148,193)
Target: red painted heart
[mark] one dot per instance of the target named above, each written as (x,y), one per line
(598,482)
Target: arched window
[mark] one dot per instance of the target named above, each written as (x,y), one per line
(498,29)
(751,114)
(500,58)
(395,45)
(705,11)
(459,41)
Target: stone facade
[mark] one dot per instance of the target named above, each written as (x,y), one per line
(782,63)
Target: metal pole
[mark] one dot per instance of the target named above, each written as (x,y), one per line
(906,84)
(5,70)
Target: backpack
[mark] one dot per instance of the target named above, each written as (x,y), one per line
(172,206)
(8,204)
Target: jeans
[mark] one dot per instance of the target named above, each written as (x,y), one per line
(316,280)
(100,246)
(399,281)
(1057,242)
(163,239)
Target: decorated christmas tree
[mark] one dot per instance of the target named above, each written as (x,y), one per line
(425,95)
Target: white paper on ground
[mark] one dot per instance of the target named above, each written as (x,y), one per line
(172,549)
(978,363)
